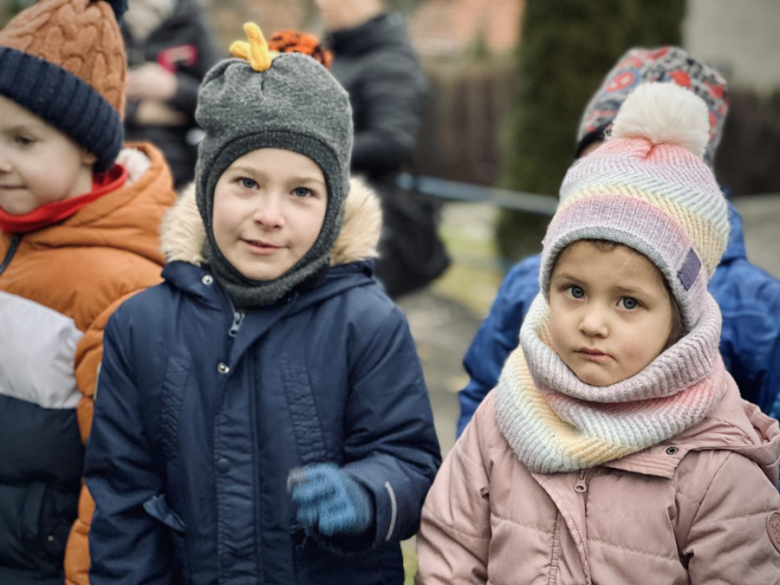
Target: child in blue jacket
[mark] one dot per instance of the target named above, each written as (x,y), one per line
(748,297)
(261,415)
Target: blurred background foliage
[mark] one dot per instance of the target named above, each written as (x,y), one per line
(567,46)
(8,8)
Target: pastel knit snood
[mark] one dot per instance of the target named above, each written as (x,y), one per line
(554,422)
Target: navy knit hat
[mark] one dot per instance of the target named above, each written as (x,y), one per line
(64,61)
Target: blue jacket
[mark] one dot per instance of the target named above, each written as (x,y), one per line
(749,299)
(200,416)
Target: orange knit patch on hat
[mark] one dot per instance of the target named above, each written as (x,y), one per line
(293,41)
(80,36)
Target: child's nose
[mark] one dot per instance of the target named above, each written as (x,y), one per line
(594,323)
(270,214)
(5,162)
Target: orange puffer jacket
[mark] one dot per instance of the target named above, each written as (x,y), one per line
(702,507)
(58,287)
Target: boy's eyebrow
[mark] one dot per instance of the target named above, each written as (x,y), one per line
(308,179)
(25,126)
(246,170)
(258,173)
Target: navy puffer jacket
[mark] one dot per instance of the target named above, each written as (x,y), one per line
(200,416)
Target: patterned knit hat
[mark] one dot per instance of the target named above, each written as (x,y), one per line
(665,64)
(648,188)
(260,101)
(64,60)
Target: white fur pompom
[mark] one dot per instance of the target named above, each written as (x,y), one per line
(664,113)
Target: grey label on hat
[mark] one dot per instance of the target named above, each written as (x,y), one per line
(690,269)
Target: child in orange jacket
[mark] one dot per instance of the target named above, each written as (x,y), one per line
(78,234)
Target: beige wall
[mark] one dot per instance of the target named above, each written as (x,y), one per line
(740,37)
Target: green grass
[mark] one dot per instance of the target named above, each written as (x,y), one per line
(410,561)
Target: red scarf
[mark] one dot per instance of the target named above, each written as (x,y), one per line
(55,212)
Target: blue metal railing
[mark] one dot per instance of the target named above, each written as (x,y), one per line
(455,191)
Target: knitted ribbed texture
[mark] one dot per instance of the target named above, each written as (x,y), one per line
(554,422)
(294,105)
(666,65)
(64,60)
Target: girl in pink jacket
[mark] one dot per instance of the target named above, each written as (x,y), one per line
(616,448)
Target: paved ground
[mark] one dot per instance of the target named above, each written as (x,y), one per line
(443,330)
(445,317)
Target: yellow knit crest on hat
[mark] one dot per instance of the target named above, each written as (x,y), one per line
(256,50)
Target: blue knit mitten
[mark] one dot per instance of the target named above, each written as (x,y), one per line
(330,502)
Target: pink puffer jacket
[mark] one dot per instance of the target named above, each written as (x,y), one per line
(701,508)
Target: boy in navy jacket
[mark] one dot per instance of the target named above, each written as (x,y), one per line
(262,415)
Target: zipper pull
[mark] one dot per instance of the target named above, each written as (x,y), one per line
(238,318)
(15,239)
(581,487)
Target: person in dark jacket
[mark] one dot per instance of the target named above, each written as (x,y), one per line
(262,415)
(170,47)
(749,298)
(379,68)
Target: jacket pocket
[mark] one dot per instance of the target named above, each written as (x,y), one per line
(316,561)
(46,517)
(306,424)
(158,508)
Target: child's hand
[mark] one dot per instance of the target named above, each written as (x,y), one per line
(329,501)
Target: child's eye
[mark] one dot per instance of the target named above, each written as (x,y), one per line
(575,292)
(247,183)
(302,192)
(628,303)
(23,140)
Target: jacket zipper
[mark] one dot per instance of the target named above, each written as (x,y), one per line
(11,251)
(238,319)
(581,487)
(555,549)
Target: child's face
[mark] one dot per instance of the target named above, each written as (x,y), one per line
(38,163)
(610,314)
(269,206)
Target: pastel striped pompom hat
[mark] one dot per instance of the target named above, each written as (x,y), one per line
(648,188)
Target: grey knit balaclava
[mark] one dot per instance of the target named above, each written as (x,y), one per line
(293,105)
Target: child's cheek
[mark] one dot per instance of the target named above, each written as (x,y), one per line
(554,338)
(637,352)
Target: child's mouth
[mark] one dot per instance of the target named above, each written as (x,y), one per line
(593,355)
(259,247)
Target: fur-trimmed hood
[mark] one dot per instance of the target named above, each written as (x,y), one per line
(183,235)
